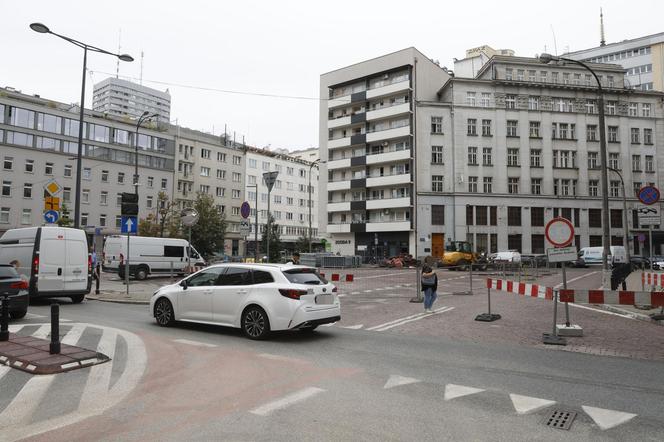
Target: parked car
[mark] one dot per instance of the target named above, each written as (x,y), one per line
(510,256)
(593,255)
(639,262)
(15,287)
(53,260)
(258,298)
(657,262)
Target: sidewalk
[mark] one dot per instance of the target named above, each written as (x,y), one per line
(113,289)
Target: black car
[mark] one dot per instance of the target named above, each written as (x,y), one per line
(16,288)
(639,262)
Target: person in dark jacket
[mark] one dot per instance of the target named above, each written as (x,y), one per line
(619,275)
(429,287)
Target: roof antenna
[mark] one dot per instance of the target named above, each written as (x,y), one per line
(141,78)
(117,66)
(555,44)
(602,41)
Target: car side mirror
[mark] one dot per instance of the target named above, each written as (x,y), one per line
(184,284)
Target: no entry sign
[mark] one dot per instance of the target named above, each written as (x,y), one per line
(559,232)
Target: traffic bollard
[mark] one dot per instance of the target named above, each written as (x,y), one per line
(98,278)
(4,327)
(54,348)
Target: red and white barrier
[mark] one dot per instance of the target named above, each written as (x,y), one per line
(652,281)
(623,297)
(520,288)
(336,277)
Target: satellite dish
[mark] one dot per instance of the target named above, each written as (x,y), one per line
(189,217)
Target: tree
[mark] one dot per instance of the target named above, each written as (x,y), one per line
(64,220)
(275,241)
(207,235)
(148,226)
(164,217)
(302,244)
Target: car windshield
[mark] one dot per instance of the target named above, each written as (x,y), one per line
(8,272)
(304,276)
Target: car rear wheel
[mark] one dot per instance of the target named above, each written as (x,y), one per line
(77,299)
(463,265)
(142,273)
(255,324)
(18,315)
(163,312)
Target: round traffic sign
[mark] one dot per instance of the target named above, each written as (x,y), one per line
(559,232)
(649,195)
(641,237)
(245,210)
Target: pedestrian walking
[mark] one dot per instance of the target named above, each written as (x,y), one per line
(429,287)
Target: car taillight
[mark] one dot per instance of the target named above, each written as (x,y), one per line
(292,293)
(35,265)
(89,263)
(21,285)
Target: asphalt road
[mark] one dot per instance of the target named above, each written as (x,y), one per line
(210,383)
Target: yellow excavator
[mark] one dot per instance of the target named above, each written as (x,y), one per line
(459,255)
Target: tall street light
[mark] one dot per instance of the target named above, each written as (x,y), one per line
(255,186)
(626,230)
(606,238)
(311,166)
(43,29)
(142,119)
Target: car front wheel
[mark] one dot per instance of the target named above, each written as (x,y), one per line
(163,312)
(255,324)
(18,315)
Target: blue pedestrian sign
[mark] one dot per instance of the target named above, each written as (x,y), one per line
(51,216)
(649,195)
(129,224)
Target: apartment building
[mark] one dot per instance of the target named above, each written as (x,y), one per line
(310,155)
(122,98)
(39,144)
(211,165)
(642,58)
(520,146)
(290,198)
(369,127)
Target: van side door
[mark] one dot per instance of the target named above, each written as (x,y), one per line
(174,255)
(76,266)
(52,261)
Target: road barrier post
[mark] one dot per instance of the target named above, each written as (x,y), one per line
(4,327)
(97,278)
(171,274)
(488,317)
(553,338)
(54,348)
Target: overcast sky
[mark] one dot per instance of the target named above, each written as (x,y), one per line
(279,47)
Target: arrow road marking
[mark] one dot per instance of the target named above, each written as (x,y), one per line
(606,419)
(527,404)
(453,391)
(395,380)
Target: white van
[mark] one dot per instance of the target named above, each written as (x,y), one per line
(149,256)
(593,255)
(55,260)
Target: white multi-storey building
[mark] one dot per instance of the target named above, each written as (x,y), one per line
(122,98)
(290,197)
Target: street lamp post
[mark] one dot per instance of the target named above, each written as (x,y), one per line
(624,198)
(142,119)
(606,238)
(311,166)
(43,29)
(256,223)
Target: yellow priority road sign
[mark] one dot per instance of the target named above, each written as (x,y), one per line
(52,187)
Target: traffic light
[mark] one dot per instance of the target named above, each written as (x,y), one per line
(129,204)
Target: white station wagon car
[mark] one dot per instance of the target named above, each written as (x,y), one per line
(258,298)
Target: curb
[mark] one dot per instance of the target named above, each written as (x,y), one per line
(637,316)
(117,301)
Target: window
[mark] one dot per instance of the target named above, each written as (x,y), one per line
(486,128)
(237,177)
(221,175)
(480,215)
(472,126)
(591,132)
(510,101)
(85,196)
(535,157)
(436,154)
(486,157)
(508,74)
(634,133)
(645,109)
(647,136)
(485,99)
(204,188)
(436,183)
(614,160)
(536,186)
(289,170)
(636,163)
(237,160)
(519,74)
(252,163)
(29,166)
(8,163)
(221,157)
(611,107)
(472,184)
(149,201)
(616,217)
(591,106)
(26,216)
(205,153)
(472,156)
(514,216)
(261,277)
(48,169)
(533,103)
(437,215)
(562,105)
(84,219)
(436,125)
(27,190)
(6,188)
(221,191)
(487,184)
(633,109)
(121,177)
(593,160)
(512,185)
(4,215)
(235,211)
(593,188)
(118,221)
(613,134)
(49,123)
(614,188)
(636,187)
(277,199)
(564,159)
(532,75)
(512,157)
(470,99)
(205,171)
(563,131)
(534,129)
(512,128)
(164,183)
(235,194)
(650,163)
(21,117)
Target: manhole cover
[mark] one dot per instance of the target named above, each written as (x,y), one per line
(560,419)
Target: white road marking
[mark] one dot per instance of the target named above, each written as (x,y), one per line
(282,358)
(381,275)
(341,295)
(15,328)
(43,331)
(100,375)
(21,408)
(73,335)
(453,391)
(286,401)
(395,380)
(355,293)
(426,315)
(353,327)
(396,320)
(606,419)
(368,291)
(557,286)
(194,343)
(4,370)
(527,404)
(33,316)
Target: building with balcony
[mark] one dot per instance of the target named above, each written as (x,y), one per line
(39,145)
(122,98)
(371,127)
(642,58)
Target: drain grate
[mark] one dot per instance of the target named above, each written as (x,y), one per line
(561,419)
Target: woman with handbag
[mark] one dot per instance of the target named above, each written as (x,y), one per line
(429,287)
